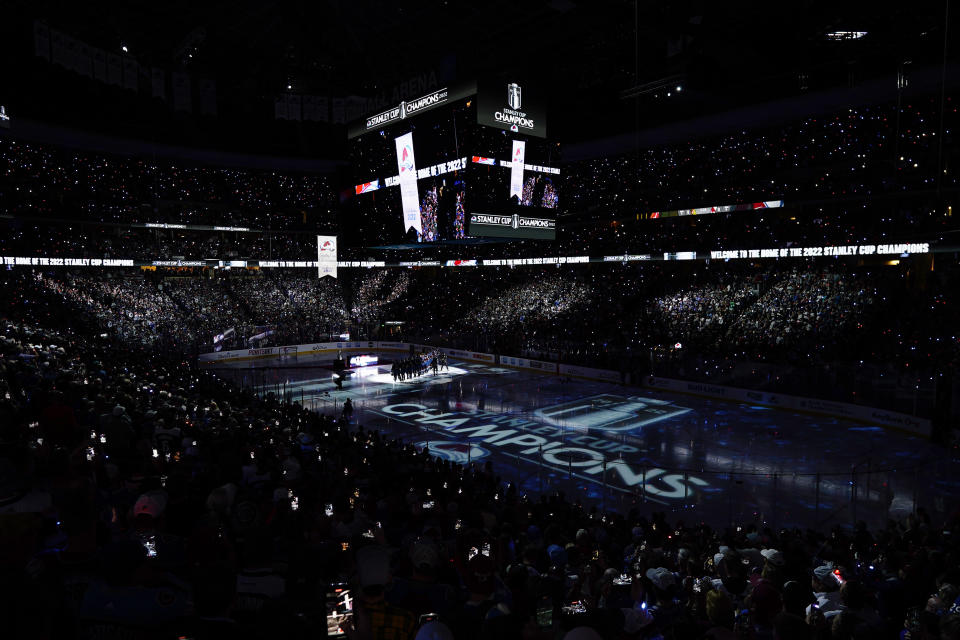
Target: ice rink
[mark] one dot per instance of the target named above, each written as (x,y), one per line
(619,447)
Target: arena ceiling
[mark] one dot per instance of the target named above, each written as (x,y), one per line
(594,56)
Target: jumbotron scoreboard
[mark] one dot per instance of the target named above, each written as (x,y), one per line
(458,163)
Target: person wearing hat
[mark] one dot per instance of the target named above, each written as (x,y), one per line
(732,574)
(664,610)
(826,591)
(373,617)
(422,592)
(773,567)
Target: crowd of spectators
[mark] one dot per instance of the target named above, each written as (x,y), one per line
(861,151)
(377,290)
(876,335)
(865,175)
(71,240)
(185,313)
(540,301)
(50,182)
(600,314)
(918,220)
(805,309)
(143,498)
(428,216)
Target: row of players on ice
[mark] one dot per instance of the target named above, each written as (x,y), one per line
(418,364)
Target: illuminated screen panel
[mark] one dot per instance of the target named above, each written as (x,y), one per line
(514,186)
(410,178)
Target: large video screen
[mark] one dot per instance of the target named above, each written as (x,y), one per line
(443,175)
(410,178)
(514,185)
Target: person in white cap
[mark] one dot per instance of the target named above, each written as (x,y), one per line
(773,567)
(384,621)
(664,610)
(826,589)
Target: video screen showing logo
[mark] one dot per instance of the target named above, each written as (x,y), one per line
(608,412)
(367,187)
(456,452)
(513,95)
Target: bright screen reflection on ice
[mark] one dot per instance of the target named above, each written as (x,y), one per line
(445,374)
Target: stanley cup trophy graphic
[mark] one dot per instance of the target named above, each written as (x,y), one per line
(513,95)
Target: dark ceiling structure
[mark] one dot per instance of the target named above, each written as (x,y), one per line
(607,65)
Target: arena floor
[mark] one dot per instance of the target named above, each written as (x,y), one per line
(619,447)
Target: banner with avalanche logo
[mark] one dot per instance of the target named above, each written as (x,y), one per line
(516,171)
(409,194)
(327,256)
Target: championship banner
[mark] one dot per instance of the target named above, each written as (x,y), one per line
(327,256)
(516,171)
(409,194)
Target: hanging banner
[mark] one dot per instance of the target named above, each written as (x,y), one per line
(327,256)
(516,171)
(409,195)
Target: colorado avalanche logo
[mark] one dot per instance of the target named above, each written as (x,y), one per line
(406,159)
(326,246)
(456,452)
